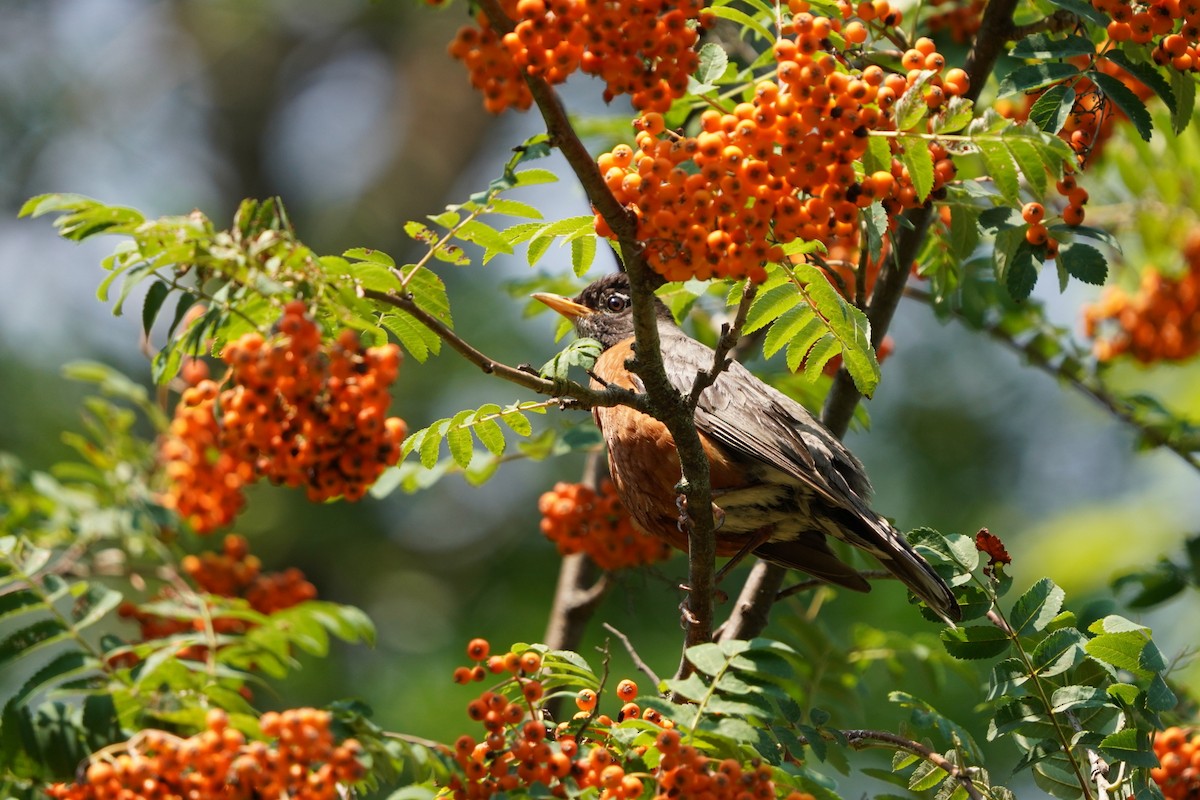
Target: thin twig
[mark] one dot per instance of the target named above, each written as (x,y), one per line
(633,654)
(1095,392)
(862,739)
(731,333)
(665,402)
(813,583)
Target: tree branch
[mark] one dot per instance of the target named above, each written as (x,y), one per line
(862,739)
(638,661)
(580,395)
(664,402)
(1094,391)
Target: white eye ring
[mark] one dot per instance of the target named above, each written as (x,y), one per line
(617,302)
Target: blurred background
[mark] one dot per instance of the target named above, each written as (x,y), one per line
(353,113)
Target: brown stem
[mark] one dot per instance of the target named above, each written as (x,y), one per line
(638,661)
(581,585)
(1097,393)
(665,402)
(862,739)
(582,396)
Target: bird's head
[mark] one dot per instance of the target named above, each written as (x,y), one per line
(603,310)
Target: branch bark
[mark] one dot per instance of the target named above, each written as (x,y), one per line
(664,402)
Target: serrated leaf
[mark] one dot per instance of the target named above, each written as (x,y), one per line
(1035,76)
(1084,262)
(1021,272)
(533,177)
(917,158)
(792,326)
(1121,650)
(412,335)
(155,295)
(490,435)
(1001,170)
(1045,46)
(975,641)
(818,356)
(964,231)
(583,253)
(513,208)
(1066,698)
(1127,101)
(1147,75)
(926,776)
(485,236)
(1051,111)
(458,439)
(910,107)
(1036,607)
(709,658)
(431,444)
(537,248)
(1183,86)
(769,305)
(1130,746)
(1058,652)
(1030,161)
(517,422)
(713,63)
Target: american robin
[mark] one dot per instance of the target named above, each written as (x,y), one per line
(781,482)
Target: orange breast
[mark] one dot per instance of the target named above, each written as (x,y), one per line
(643,461)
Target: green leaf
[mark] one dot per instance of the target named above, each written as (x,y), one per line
(743,21)
(458,439)
(155,296)
(1021,273)
(926,776)
(1058,652)
(1121,650)
(709,658)
(1066,698)
(1001,170)
(513,208)
(1040,604)
(533,177)
(1035,76)
(515,420)
(1084,262)
(1127,101)
(1130,746)
(1183,86)
(1051,111)
(1147,75)
(847,323)
(1030,162)
(583,252)
(910,107)
(799,327)
(412,335)
(713,63)
(975,641)
(919,161)
(1045,46)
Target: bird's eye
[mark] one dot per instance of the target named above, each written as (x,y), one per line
(617,302)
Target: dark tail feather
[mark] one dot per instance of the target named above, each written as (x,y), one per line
(899,558)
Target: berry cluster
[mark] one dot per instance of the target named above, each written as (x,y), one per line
(781,167)
(234,572)
(580,520)
(521,747)
(1160,322)
(302,761)
(643,48)
(1178,773)
(958,18)
(1172,25)
(296,411)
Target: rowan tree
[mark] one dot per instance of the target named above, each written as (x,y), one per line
(784,175)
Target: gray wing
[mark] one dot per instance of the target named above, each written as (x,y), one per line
(760,423)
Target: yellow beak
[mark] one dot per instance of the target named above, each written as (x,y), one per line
(563,305)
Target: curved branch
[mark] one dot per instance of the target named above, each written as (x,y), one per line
(580,395)
(663,401)
(1093,391)
(862,739)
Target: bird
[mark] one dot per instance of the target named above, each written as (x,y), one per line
(782,483)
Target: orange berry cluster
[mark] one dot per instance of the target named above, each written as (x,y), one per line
(1160,322)
(958,18)
(297,411)
(643,48)
(780,167)
(1172,25)
(1178,773)
(521,748)
(580,520)
(302,761)
(230,573)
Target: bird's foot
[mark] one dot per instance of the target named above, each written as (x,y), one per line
(684,521)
